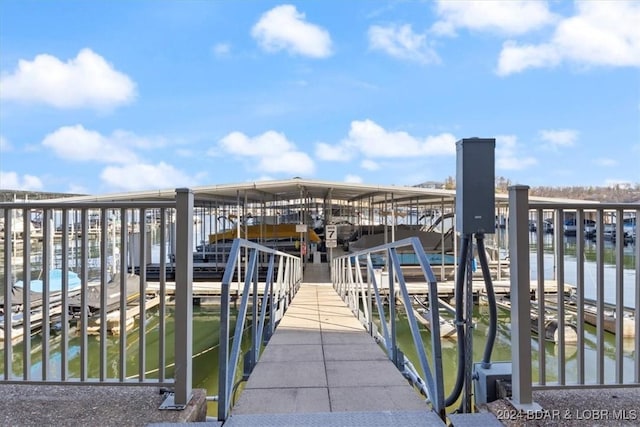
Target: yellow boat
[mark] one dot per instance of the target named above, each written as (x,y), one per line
(265,232)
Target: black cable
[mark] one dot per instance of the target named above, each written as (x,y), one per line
(234,389)
(491,296)
(460,282)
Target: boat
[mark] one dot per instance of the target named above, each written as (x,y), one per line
(590,315)
(35,319)
(431,241)
(628,324)
(112,296)
(283,237)
(265,232)
(439,237)
(55,282)
(36,287)
(551,329)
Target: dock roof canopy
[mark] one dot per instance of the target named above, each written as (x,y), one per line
(296,189)
(291,189)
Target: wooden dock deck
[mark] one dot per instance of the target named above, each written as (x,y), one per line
(322,368)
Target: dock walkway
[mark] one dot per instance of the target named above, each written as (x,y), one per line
(322,368)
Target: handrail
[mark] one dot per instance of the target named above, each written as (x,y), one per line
(276,297)
(350,285)
(69,304)
(591,283)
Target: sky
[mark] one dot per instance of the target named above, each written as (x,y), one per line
(111,96)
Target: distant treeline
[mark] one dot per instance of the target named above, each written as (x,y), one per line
(601,194)
(613,194)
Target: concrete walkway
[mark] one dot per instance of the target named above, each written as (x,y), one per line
(321,361)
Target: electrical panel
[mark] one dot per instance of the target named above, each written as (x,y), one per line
(475,185)
(485,387)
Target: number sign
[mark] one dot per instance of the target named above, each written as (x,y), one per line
(331,235)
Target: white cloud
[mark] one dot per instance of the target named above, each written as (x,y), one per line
(85,81)
(291,162)
(601,33)
(559,138)
(140,176)
(284,28)
(506,17)
(79,144)
(369,165)
(353,179)
(4,144)
(336,153)
(508,156)
(515,58)
(12,181)
(402,43)
(274,151)
(373,141)
(269,143)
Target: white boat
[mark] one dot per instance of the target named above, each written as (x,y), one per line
(609,324)
(17,310)
(436,238)
(55,282)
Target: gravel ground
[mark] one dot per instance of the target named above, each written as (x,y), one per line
(587,407)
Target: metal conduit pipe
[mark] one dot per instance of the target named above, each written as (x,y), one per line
(491,296)
(460,281)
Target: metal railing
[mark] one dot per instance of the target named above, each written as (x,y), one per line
(360,293)
(594,294)
(95,248)
(279,285)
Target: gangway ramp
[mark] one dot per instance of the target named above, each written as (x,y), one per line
(322,368)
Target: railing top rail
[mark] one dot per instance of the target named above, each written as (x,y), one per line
(48,204)
(583,206)
(244,243)
(409,241)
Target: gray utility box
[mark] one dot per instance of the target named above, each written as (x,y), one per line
(485,387)
(475,185)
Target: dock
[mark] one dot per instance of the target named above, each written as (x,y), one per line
(446,290)
(112,307)
(322,368)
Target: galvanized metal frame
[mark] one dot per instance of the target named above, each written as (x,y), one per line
(287,284)
(348,282)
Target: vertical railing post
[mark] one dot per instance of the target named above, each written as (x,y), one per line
(637,300)
(520,298)
(8,273)
(183,306)
(393,345)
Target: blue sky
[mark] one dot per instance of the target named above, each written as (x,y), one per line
(109,96)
